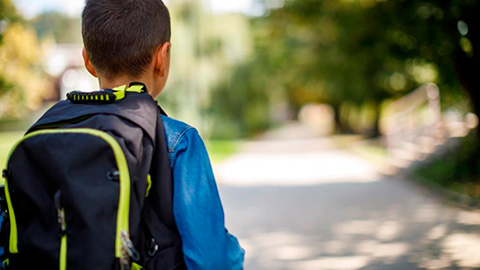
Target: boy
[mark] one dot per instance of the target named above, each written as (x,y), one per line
(129,41)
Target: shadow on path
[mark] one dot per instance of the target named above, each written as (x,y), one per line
(389,224)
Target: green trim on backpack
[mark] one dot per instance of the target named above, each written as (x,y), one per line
(136,267)
(13,244)
(63,253)
(119,92)
(149,185)
(136,88)
(124,197)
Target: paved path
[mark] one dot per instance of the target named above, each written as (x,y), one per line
(305,205)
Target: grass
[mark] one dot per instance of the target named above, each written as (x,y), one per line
(346,141)
(458,171)
(220,150)
(372,149)
(374,153)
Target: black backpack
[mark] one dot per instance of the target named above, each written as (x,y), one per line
(90,187)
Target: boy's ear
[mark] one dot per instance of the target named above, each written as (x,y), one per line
(161,59)
(88,64)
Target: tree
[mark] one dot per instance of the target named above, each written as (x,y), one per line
(445,33)
(7,15)
(364,52)
(22,82)
(319,51)
(62,28)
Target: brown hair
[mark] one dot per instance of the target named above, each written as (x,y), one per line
(121,36)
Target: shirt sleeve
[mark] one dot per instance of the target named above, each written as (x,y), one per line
(198,210)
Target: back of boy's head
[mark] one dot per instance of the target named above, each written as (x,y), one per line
(121,36)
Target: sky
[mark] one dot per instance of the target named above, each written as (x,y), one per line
(30,8)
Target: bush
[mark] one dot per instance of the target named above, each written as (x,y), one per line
(459,170)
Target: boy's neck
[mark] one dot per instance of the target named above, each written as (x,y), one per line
(122,80)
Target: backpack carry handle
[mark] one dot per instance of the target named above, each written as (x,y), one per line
(107,96)
(99,97)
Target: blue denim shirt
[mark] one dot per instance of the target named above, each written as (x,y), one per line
(197,207)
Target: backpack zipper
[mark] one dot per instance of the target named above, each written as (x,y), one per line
(62,224)
(124,197)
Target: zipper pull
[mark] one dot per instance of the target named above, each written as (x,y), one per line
(62,223)
(128,251)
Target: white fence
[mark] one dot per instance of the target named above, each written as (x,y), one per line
(415,126)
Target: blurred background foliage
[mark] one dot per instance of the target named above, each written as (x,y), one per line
(23,84)
(237,75)
(58,27)
(353,54)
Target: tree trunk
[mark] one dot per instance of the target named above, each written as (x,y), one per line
(341,127)
(337,118)
(467,70)
(374,132)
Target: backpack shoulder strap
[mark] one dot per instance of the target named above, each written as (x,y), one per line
(157,211)
(161,193)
